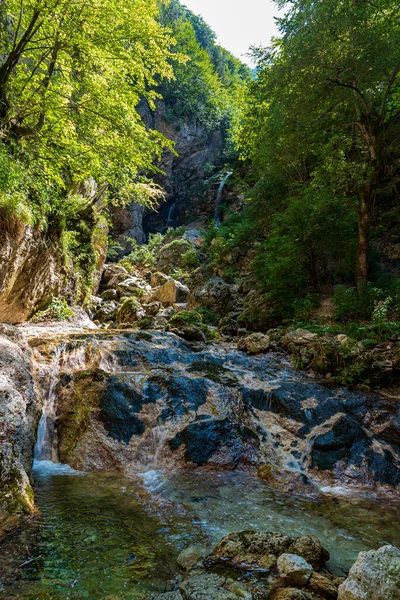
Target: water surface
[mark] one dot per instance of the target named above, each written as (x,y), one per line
(103,537)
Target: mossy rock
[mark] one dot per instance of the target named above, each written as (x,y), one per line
(175,255)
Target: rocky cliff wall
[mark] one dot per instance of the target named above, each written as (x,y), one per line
(195,150)
(18,416)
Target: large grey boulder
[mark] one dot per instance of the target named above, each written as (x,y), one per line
(374,576)
(255,343)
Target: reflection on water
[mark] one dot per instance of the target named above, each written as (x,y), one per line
(106,537)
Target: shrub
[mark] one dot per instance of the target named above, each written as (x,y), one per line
(56,310)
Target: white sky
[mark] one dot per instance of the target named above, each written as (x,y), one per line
(239,24)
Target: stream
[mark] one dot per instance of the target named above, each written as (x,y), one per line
(114,524)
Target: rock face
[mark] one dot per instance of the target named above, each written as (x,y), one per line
(32,269)
(374,576)
(195,149)
(220,408)
(18,416)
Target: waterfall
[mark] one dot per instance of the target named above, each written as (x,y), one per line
(169,218)
(217,214)
(44,447)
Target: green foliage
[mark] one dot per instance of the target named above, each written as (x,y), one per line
(56,310)
(190,259)
(352,305)
(210,84)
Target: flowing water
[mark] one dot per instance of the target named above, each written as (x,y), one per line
(104,536)
(217,214)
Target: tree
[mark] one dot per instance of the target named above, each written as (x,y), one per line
(71,75)
(325,107)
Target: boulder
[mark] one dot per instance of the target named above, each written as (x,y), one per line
(228,326)
(170,293)
(299,337)
(111,271)
(106,311)
(191,333)
(310,548)
(134,286)
(153,308)
(172,256)
(214,294)
(254,343)
(206,587)
(374,576)
(129,311)
(251,550)
(158,279)
(168,596)
(323,586)
(291,593)
(189,557)
(295,569)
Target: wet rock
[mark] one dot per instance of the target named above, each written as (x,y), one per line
(294,569)
(299,337)
(217,442)
(251,550)
(256,343)
(206,587)
(374,576)
(170,293)
(323,586)
(189,557)
(191,333)
(310,548)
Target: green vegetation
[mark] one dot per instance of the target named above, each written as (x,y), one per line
(56,310)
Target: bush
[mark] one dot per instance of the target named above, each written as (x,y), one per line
(56,310)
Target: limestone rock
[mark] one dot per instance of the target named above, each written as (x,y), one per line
(135,286)
(112,271)
(189,557)
(214,294)
(171,256)
(110,294)
(374,576)
(170,293)
(33,268)
(295,569)
(254,343)
(228,326)
(309,547)
(168,596)
(299,337)
(291,593)
(205,587)
(158,279)
(249,549)
(129,311)
(18,415)
(323,586)
(191,333)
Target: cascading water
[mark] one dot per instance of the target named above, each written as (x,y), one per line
(44,447)
(217,214)
(169,217)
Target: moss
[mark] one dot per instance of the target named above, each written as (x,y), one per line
(127,312)
(185,318)
(84,394)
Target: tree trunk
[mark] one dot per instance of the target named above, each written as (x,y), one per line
(364,225)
